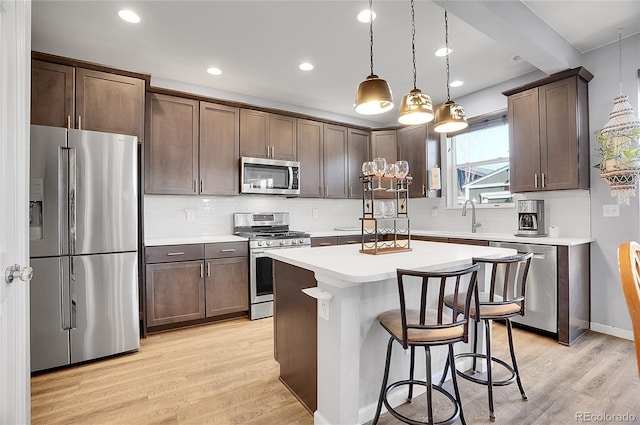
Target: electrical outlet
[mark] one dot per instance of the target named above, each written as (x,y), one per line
(191,214)
(324,309)
(434,212)
(314,213)
(611,210)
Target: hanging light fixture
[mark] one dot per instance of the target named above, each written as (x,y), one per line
(374,95)
(450,116)
(619,145)
(416,107)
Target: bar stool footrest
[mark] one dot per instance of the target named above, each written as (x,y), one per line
(483,381)
(453,418)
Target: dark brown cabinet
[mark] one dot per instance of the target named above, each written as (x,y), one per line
(171,145)
(102,101)
(219,149)
(384,144)
(357,153)
(311,158)
(335,161)
(191,147)
(266,135)
(420,145)
(549,133)
(324,241)
(187,283)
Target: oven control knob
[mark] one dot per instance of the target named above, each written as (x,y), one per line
(260,243)
(269,243)
(301,241)
(281,243)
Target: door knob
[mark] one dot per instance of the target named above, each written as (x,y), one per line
(15,272)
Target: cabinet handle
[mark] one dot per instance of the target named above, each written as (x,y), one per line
(79,122)
(350,242)
(194,186)
(267,151)
(174,253)
(69,121)
(543,183)
(208,269)
(228,250)
(424,190)
(535,180)
(273,151)
(201,270)
(350,192)
(201,185)
(325,243)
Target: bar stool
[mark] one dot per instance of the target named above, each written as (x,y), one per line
(427,328)
(504,299)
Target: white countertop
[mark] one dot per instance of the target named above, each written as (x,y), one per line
(184,240)
(346,263)
(498,237)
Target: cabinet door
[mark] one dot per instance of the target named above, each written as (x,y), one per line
(335,161)
(109,102)
(412,147)
(227,287)
(171,146)
(219,149)
(558,135)
(175,292)
(524,141)
(254,131)
(282,137)
(310,155)
(357,153)
(324,241)
(52,100)
(384,144)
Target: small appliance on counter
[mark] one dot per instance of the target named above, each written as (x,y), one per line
(531,218)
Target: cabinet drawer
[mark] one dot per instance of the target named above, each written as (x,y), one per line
(353,239)
(171,253)
(226,249)
(469,241)
(324,241)
(430,238)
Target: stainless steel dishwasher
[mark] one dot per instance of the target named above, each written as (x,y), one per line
(541,298)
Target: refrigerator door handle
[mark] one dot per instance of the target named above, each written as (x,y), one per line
(65,308)
(72,200)
(73,294)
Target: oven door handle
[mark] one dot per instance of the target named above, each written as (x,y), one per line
(255,253)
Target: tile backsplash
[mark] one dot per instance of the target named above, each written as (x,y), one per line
(176,216)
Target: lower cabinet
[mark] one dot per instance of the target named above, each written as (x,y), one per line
(187,283)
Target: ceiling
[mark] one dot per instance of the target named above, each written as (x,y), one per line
(258,45)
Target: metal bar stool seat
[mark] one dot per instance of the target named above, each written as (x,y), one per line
(427,327)
(505,299)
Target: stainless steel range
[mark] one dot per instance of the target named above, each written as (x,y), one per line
(265,231)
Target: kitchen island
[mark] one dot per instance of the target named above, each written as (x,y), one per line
(352,289)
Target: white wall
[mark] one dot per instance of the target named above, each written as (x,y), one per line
(608,308)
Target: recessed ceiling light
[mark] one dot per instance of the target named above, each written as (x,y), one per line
(441,52)
(364,16)
(305,66)
(214,71)
(129,16)
(456,83)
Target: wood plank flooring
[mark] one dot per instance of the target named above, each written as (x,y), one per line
(224,373)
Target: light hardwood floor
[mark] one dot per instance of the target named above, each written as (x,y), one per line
(224,373)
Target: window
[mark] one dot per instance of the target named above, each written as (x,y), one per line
(478,160)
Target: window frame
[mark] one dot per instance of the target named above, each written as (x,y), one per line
(476,123)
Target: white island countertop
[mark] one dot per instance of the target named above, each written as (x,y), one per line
(346,263)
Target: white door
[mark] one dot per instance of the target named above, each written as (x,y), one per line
(15,48)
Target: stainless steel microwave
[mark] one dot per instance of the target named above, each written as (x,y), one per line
(269,176)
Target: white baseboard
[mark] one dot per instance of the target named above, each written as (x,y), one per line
(610,330)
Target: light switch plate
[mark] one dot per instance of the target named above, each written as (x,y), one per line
(324,309)
(611,210)
(191,214)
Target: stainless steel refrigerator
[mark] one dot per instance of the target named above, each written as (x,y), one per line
(83,246)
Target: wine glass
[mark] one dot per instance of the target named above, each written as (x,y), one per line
(378,170)
(390,171)
(402,169)
(367,168)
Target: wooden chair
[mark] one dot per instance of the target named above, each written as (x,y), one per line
(629,265)
(426,327)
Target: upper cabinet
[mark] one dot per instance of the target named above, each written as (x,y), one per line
(335,161)
(191,147)
(75,97)
(549,133)
(311,157)
(266,135)
(420,146)
(384,144)
(357,153)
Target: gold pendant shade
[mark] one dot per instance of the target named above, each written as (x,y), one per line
(416,108)
(373,96)
(450,117)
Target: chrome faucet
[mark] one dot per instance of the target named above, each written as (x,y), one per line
(474,223)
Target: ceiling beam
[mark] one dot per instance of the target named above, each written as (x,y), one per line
(519,29)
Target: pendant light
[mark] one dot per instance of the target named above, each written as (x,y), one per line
(374,95)
(416,107)
(450,116)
